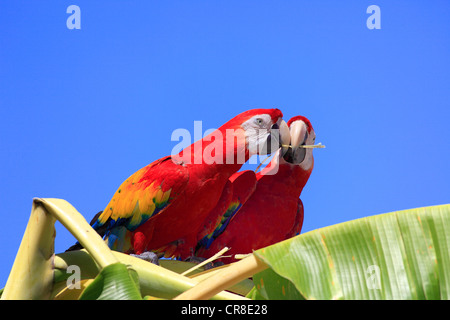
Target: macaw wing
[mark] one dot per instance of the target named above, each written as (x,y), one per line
(242,184)
(215,216)
(144,194)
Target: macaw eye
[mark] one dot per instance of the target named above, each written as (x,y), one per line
(259,121)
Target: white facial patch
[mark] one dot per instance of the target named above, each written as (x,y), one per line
(257,130)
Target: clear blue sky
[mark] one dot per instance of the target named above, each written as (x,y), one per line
(81,110)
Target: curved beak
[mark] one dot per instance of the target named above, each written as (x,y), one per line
(285,137)
(298,133)
(279,135)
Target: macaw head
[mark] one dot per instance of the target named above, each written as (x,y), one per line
(255,131)
(264,130)
(301,134)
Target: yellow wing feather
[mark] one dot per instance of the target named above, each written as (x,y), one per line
(142,195)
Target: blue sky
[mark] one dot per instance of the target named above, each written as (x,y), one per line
(83,109)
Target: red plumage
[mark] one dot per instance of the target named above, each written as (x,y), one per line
(163,206)
(271,214)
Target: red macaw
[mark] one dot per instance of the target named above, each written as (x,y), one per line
(266,208)
(162,207)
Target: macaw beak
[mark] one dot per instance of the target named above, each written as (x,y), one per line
(279,136)
(285,137)
(298,133)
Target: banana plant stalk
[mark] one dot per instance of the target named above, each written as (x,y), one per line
(31,276)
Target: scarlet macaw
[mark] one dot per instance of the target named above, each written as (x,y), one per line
(162,206)
(273,211)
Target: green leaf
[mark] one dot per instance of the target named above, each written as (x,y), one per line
(398,255)
(114,282)
(271,286)
(254,294)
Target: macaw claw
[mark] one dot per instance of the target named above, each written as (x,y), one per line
(147,256)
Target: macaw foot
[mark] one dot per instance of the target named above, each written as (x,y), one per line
(147,256)
(216,264)
(207,266)
(195,260)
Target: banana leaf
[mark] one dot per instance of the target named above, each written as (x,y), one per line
(398,255)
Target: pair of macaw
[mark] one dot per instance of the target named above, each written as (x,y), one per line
(181,207)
